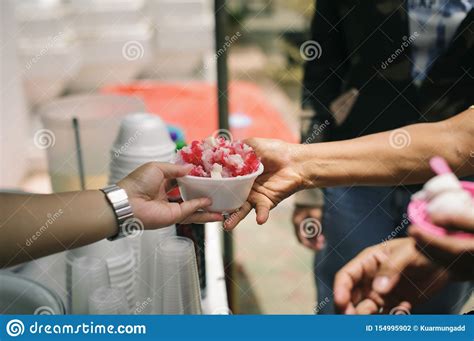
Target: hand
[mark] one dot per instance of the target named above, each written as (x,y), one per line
(454,253)
(280,179)
(147,188)
(313,241)
(387,277)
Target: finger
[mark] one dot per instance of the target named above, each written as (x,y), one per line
(367,307)
(345,281)
(233,219)
(203,217)
(389,272)
(173,171)
(463,222)
(191,206)
(442,245)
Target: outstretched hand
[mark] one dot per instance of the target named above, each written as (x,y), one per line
(387,278)
(147,189)
(280,179)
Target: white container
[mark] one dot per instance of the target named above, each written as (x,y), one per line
(227,194)
(42,19)
(20,296)
(47,65)
(114,55)
(93,15)
(172,11)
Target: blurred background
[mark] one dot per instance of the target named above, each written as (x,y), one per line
(164,52)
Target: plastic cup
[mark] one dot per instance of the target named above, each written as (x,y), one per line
(99,118)
(143,134)
(84,274)
(417,212)
(148,268)
(108,301)
(227,194)
(177,283)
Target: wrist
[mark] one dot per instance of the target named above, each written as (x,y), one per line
(305,165)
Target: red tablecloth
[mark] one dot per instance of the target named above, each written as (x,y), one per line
(193,107)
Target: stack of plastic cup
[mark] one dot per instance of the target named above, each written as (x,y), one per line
(142,138)
(120,262)
(177,281)
(83,275)
(147,267)
(108,301)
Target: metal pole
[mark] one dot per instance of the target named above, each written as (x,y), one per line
(223,112)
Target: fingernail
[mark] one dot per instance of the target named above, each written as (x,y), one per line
(381,283)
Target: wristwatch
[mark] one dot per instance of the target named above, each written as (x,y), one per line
(118,199)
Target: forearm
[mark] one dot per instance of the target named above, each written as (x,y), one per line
(36,225)
(379,160)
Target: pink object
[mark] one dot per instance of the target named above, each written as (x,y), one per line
(419,216)
(219,157)
(439,165)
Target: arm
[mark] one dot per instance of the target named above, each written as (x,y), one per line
(379,159)
(36,225)
(375,159)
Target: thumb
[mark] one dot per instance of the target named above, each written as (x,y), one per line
(191,206)
(172,171)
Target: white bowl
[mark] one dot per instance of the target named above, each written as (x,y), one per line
(227,194)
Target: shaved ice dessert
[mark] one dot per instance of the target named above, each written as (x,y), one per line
(445,196)
(217,158)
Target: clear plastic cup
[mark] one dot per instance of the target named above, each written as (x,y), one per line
(147,266)
(176,285)
(108,301)
(83,275)
(99,117)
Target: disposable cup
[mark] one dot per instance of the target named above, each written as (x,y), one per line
(147,266)
(84,274)
(108,301)
(227,194)
(177,283)
(143,134)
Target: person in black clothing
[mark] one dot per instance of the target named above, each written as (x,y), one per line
(383,65)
